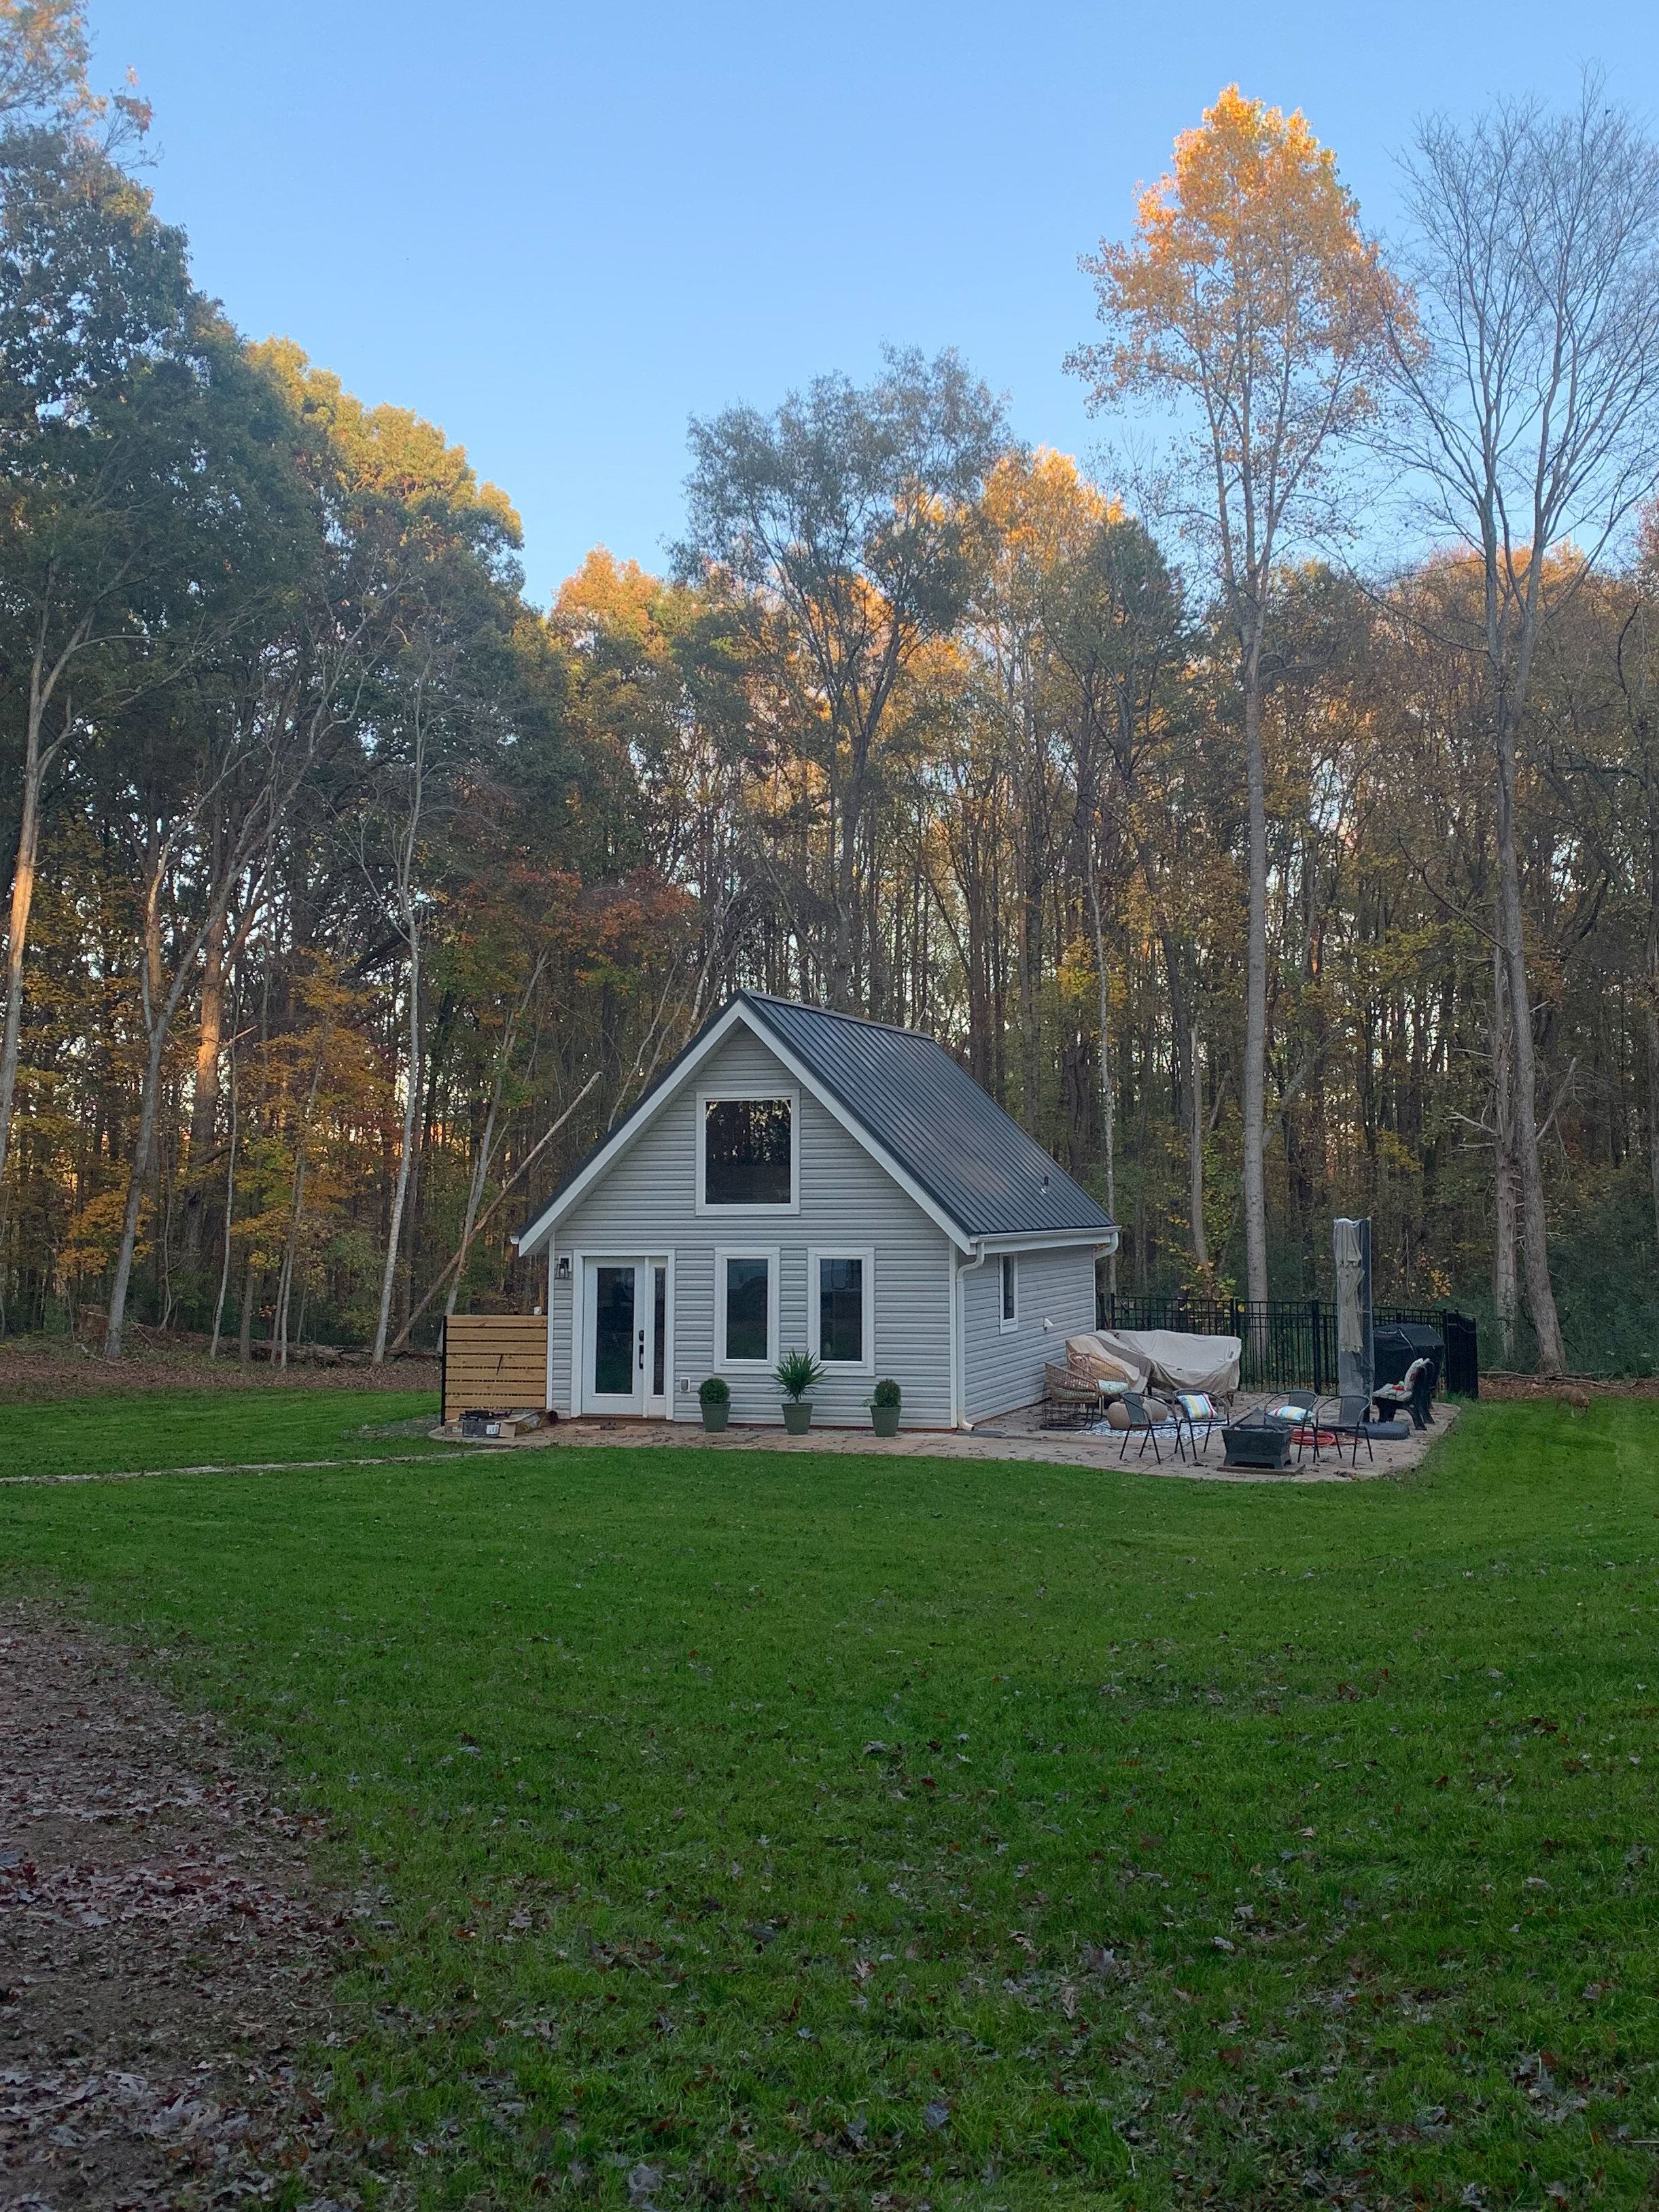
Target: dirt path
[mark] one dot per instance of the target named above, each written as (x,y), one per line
(163,1956)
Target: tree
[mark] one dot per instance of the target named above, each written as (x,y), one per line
(135,477)
(852,513)
(1250,298)
(1531,366)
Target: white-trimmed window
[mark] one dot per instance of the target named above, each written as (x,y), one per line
(748,1151)
(745,1308)
(1010,1290)
(840,1307)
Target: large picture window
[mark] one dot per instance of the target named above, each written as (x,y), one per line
(840,1307)
(748,1158)
(745,1307)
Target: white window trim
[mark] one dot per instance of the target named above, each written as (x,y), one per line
(1008,1323)
(815,1306)
(705,1100)
(722,1254)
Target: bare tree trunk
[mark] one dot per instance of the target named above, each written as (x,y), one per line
(1535,1230)
(22,899)
(1503,1239)
(1254,1082)
(158,1022)
(1108,1119)
(37,760)
(406,1153)
(230,1206)
(1195,1159)
(205,1095)
(296,1211)
(486,1141)
(249,1299)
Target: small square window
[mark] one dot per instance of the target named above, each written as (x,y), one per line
(748,1154)
(1009,1292)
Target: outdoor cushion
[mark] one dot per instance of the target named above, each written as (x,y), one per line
(1397,1393)
(1196,1406)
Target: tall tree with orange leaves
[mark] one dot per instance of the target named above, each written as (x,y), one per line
(1249,298)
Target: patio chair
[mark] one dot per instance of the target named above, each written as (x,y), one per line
(1351,1418)
(1415,1390)
(1149,1419)
(1195,1410)
(1298,1409)
(1070,1400)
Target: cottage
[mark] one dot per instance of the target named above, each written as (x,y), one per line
(798,1178)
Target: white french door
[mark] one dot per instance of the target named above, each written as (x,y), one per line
(625,1348)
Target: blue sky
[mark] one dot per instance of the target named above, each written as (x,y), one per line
(559,231)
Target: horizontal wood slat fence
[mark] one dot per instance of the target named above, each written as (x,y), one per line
(495,1362)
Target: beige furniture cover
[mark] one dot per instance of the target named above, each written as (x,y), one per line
(1162,1356)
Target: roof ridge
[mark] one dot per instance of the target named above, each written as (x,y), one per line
(835,1014)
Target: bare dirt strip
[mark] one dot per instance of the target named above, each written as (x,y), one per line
(164,1950)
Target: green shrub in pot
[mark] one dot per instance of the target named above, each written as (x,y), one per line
(714,1396)
(884,1407)
(797,1373)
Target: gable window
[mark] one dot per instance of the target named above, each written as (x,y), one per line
(1009,1292)
(747,1162)
(745,1307)
(841,1319)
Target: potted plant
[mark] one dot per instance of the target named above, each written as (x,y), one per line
(797,1372)
(714,1396)
(885,1408)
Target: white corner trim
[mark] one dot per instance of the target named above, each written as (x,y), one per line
(815,1307)
(770,1253)
(708,1099)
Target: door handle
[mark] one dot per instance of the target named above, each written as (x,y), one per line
(642,1351)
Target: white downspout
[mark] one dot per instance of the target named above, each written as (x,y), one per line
(957,1349)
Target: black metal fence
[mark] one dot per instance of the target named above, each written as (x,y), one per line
(1291,1342)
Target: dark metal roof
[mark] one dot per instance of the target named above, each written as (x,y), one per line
(948,1135)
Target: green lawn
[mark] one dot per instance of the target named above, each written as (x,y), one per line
(215,1428)
(997,1835)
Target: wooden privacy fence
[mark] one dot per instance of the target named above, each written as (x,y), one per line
(496,1362)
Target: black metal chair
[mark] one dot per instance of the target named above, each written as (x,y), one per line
(1149,1419)
(1352,1418)
(1193,1409)
(1305,1426)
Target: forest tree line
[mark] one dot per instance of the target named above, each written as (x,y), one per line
(1261,875)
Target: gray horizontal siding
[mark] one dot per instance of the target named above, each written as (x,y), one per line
(647,1203)
(1000,1373)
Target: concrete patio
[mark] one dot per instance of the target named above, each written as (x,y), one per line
(1018,1436)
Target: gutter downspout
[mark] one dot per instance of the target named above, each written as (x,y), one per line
(958,1347)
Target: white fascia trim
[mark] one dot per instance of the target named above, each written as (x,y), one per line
(1048,1240)
(641,1117)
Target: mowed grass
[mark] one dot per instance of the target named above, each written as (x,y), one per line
(809,1831)
(211,1428)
